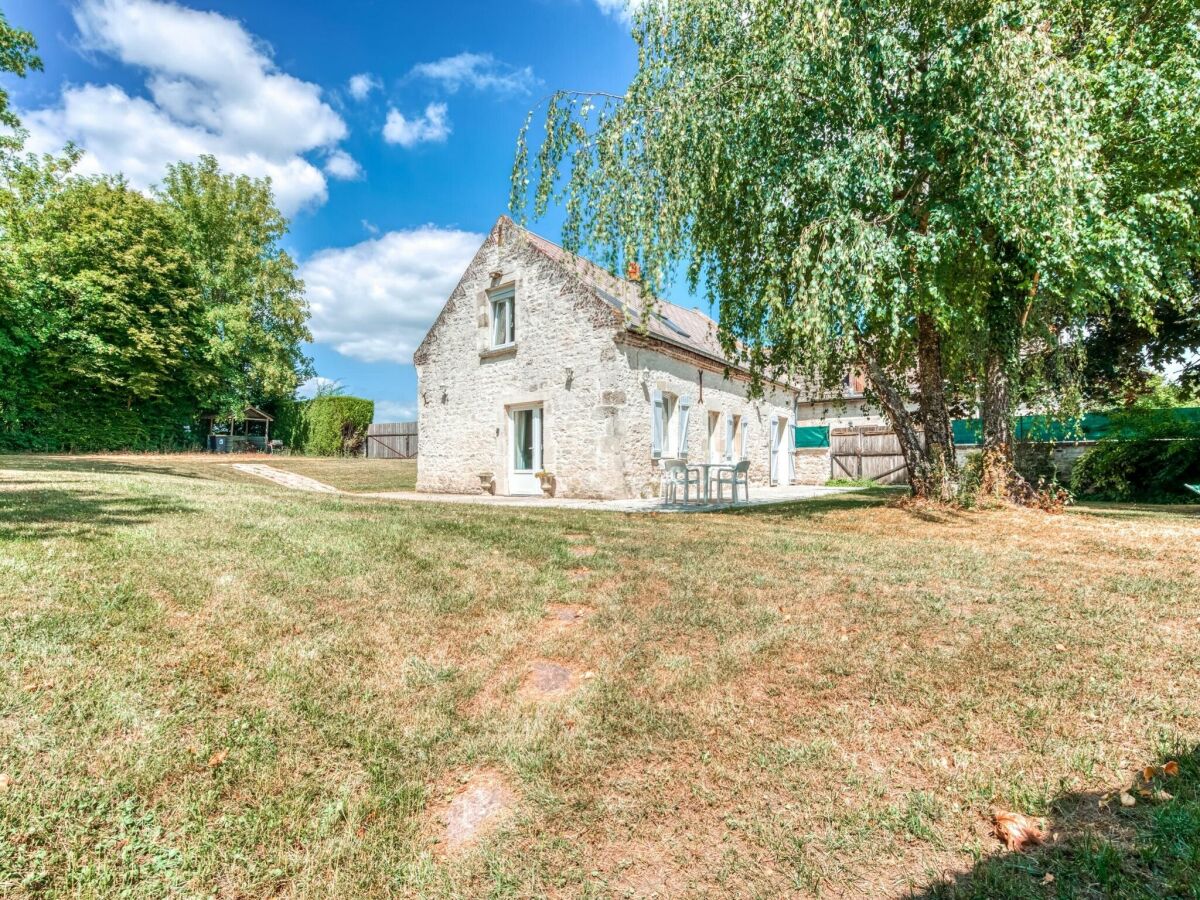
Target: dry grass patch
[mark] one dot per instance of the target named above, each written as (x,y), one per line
(823,699)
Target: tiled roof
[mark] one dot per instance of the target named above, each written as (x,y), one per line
(679,326)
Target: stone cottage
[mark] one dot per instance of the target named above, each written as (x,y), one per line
(542,363)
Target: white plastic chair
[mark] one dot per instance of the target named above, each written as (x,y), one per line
(734,476)
(676,473)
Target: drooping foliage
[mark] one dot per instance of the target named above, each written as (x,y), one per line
(908,188)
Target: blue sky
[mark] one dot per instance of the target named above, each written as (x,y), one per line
(388,128)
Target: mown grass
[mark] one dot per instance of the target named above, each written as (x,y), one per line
(347,474)
(823,698)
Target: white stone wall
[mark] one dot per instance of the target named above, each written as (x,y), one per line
(812,465)
(574,356)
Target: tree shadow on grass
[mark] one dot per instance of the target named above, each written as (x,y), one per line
(89,466)
(44,512)
(1132,512)
(814,506)
(1100,848)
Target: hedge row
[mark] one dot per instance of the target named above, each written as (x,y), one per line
(326,426)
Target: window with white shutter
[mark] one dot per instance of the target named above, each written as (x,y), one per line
(657,424)
(685,409)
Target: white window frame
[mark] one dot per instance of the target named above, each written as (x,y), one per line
(503,298)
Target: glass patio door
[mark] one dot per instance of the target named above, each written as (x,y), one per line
(525,450)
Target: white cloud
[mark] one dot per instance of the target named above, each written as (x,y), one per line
(620,9)
(340,164)
(374,301)
(432,127)
(361,85)
(212,88)
(481,71)
(395,411)
(314,386)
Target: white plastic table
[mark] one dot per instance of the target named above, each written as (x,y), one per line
(704,473)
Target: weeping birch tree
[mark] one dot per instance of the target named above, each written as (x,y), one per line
(896,187)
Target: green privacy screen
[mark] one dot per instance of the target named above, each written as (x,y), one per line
(809,436)
(968,432)
(1091,427)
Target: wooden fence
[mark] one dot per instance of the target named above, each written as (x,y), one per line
(867,451)
(392,440)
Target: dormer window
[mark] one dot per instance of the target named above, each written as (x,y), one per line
(504,322)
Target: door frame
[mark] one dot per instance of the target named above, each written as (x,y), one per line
(524,482)
(779,464)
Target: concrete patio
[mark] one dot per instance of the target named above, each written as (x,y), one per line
(759,496)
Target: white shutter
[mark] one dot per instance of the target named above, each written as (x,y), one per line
(774,448)
(729,435)
(685,407)
(791,449)
(656,423)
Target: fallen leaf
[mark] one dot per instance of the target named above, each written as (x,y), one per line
(1127,799)
(1148,773)
(1162,796)
(1171,768)
(5,781)
(1016,831)
(1047,878)
(217,758)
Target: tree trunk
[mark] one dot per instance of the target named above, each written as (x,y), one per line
(903,424)
(1006,314)
(940,462)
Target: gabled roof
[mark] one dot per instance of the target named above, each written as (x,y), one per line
(678,326)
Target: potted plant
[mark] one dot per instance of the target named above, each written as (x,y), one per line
(487,482)
(549,484)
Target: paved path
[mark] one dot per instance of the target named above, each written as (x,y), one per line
(759,496)
(286,479)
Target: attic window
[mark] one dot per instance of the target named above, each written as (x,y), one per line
(504,323)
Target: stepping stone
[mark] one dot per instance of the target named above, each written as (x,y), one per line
(581,550)
(548,681)
(480,806)
(580,574)
(286,479)
(562,614)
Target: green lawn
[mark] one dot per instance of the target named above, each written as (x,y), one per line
(211,686)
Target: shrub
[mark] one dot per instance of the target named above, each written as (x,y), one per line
(334,426)
(1148,458)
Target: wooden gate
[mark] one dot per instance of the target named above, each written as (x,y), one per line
(867,452)
(392,440)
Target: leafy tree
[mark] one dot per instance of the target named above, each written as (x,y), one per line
(827,170)
(909,188)
(27,184)
(254,306)
(111,354)
(18,56)
(1131,295)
